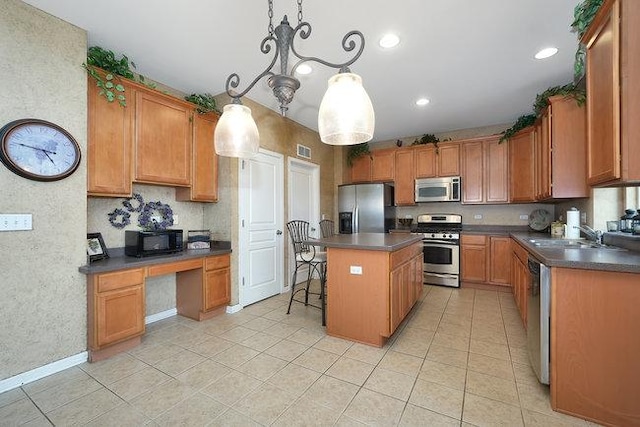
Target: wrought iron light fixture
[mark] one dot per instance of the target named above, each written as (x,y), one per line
(346,114)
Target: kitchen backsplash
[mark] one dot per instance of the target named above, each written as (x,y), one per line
(477,214)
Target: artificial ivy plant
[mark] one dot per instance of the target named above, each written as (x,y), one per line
(206,102)
(427,138)
(98,57)
(583,15)
(356,151)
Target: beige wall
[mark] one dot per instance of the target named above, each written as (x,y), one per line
(43,313)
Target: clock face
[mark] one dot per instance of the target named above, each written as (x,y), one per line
(38,150)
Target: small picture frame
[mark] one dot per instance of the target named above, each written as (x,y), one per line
(96,249)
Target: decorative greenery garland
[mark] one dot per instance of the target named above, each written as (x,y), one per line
(146,221)
(126,218)
(521,123)
(356,151)
(130,208)
(206,102)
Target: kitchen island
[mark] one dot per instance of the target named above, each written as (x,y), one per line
(373,281)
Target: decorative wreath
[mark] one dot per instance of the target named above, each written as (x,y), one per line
(127,203)
(113,216)
(146,220)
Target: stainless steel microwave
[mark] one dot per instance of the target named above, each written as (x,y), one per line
(445,189)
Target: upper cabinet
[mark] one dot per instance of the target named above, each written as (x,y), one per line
(522,177)
(163,139)
(109,142)
(613,93)
(361,169)
(485,171)
(404,177)
(432,162)
(383,165)
(204,162)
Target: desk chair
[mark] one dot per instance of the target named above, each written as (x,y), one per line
(306,255)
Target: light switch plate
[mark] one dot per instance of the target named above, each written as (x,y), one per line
(16,222)
(355,269)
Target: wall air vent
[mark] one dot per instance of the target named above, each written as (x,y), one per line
(304,151)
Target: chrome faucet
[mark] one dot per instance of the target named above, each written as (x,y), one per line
(595,235)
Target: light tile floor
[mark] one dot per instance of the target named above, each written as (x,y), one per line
(459,359)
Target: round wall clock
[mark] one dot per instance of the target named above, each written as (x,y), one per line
(38,150)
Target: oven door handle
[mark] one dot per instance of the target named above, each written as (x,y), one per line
(444,276)
(439,242)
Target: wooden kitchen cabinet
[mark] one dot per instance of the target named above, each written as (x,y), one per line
(485,171)
(473,258)
(217,285)
(404,177)
(520,278)
(383,165)
(522,176)
(116,307)
(361,169)
(444,162)
(163,139)
(613,88)
(204,162)
(500,260)
(109,142)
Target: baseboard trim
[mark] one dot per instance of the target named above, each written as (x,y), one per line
(42,371)
(159,316)
(234,308)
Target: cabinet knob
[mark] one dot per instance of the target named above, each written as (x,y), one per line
(279,232)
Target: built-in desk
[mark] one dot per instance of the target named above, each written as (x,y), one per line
(116,294)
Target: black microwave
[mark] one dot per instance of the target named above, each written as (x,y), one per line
(146,243)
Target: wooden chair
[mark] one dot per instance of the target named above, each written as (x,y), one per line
(306,255)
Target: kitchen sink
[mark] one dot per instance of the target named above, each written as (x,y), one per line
(570,244)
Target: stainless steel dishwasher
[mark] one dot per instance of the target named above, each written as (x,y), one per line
(538,319)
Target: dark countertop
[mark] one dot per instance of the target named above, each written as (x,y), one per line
(622,260)
(495,229)
(119,261)
(388,242)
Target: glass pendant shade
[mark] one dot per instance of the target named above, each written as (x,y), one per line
(236,133)
(346,114)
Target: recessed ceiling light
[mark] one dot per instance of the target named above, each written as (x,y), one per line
(389,40)
(422,102)
(304,69)
(546,52)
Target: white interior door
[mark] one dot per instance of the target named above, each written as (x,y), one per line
(303,182)
(261,250)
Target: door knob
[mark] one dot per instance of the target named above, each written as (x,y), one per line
(279,232)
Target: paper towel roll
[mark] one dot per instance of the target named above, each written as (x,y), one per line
(573,221)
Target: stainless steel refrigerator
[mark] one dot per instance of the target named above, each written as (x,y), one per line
(366,208)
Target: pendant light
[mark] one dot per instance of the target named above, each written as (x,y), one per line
(346,113)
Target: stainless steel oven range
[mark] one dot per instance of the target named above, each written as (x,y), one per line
(441,248)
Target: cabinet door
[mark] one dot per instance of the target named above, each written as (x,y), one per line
(204,170)
(217,290)
(395,301)
(109,142)
(163,140)
(404,178)
(473,258)
(603,102)
(496,179)
(500,260)
(418,276)
(448,160)
(522,167)
(543,157)
(361,169)
(472,172)
(425,162)
(382,165)
(119,314)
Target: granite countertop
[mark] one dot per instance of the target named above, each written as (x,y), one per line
(119,261)
(369,241)
(619,260)
(494,229)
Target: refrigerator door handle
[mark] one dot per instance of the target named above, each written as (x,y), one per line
(356,223)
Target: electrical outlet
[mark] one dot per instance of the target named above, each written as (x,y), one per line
(477,216)
(16,222)
(355,269)
(524,217)
(176,220)
(583,217)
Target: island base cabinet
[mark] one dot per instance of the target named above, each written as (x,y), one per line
(594,345)
(116,308)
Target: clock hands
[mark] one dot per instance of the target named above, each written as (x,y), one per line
(38,148)
(46,153)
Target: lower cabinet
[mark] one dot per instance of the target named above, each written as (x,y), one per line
(520,278)
(485,259)
(116,307)
(405,287)
(217,281)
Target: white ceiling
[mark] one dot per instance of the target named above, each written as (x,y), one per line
(472,58)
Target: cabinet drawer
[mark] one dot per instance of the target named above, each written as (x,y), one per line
(215,262)
(403,255)
(471,239)
(119,279)
(519,251)
(174,267)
